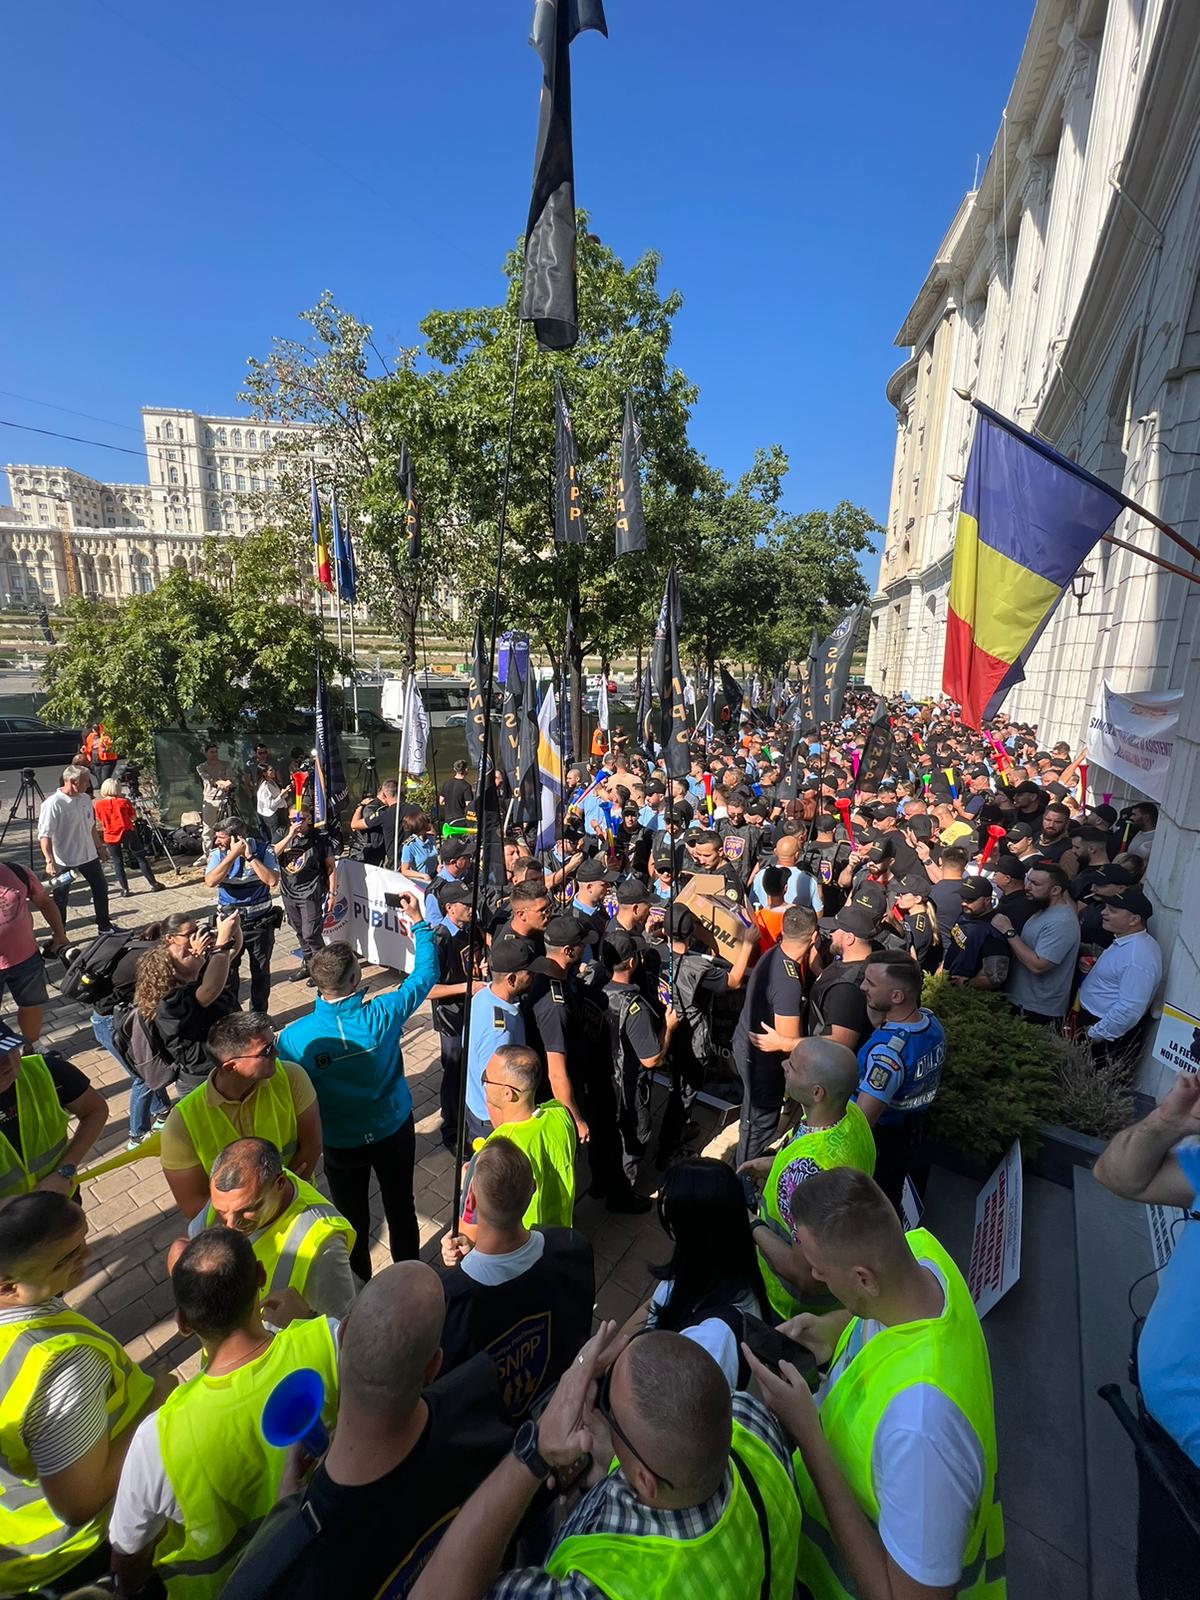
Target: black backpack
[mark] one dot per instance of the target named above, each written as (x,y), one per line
(89,978)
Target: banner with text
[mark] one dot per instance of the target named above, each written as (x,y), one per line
(1132,736)
(361,916)
(996,1247)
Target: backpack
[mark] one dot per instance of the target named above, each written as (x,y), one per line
(89,978)
(693,1004)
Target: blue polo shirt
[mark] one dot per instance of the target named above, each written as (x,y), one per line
(901,1064)
(494,1022)
(1167,1366)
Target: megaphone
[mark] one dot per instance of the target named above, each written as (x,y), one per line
(292,1414)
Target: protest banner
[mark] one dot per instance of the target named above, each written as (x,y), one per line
(1177,1041)
(996,1246)
(1133,736)
(362,918)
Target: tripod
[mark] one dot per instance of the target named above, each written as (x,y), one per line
(31,794)
(366,778)
(146,817)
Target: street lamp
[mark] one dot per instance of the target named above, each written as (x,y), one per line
(1081,584)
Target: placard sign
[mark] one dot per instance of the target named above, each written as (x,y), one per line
(1177,1041)
(362,918)
(996,1248)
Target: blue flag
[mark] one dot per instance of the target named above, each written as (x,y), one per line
(343,555)
(329,781)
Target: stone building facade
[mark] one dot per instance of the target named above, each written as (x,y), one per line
(1066,294)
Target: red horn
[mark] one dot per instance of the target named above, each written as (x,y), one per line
(843,806)
(995,834)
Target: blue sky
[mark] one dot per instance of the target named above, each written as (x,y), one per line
(181,181)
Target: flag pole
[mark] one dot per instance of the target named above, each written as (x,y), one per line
(353,667)
(484,776)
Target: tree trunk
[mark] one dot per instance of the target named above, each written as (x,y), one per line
(575,668)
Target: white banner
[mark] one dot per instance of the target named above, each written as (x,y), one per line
(361,916)
(1132,736)
(1177,1041)
(996,1248)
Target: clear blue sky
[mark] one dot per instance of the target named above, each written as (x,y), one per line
(181,181)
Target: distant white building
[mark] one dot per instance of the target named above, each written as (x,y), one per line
(70,534)
(1066,294)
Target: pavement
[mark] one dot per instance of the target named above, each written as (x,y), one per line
(133,1219)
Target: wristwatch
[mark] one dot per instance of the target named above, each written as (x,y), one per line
(524,1447)
(1010,933)
(68,1169)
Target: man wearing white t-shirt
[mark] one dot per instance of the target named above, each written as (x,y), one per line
(67,837)
(897,1450)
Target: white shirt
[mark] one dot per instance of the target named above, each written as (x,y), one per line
(67,821)
(927,1470)
(268,798)
(492,1270)
(1119,988)
(1142,843)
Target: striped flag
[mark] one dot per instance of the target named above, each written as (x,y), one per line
(343,555)
(551,771)
(320,543)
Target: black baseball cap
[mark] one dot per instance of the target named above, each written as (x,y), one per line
(566,930)
(664,856)
(634,892)
(882,810)
(512,954)
(1131,899)
(1010,866)
(1111,873)
(852,919)
(455,894)
(975,889)
(452,849)
(594,870)
(1019,831)
(679,923)
(617,947)
(870,897)
(680,815)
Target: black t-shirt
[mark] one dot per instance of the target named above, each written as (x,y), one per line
(741,845)
(1055,850)
(454,960)
(947,902)
(905,859)
(837,1001)
(375,1538)
(303,874)
(69,1084)
(641,1029)
(378,836)
(182,1024)
(1017,907)
(457,795)
(971,941)
(776,989)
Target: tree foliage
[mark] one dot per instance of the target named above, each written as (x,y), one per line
(194,651)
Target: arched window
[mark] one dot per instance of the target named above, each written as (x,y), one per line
(168,431)
(208,437)
(252,439)
(237,438)
(222,437)
(265,440)
(173,475)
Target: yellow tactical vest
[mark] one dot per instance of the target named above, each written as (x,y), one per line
(548,1139)
(43,1124)
(726,1563)
(222,1471)
(947,1352)
(36,1546)
(288,1246)
(274,1119)
(848,1143)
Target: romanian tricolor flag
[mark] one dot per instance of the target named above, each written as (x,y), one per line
(320,543)
(1028,518)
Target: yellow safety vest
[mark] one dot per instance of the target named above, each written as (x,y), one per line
(274,1119)
(288,1246)
(548,1139)
(222,1471)
(726,1563)
(947,1352)
(43,1124)
(848,1143)
(36,1546)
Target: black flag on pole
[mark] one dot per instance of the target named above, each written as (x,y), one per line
(645,718)
(510,723)
(676,753)
(732,690)
(406,483)
(477,712)
(833,668)
(878,751)
(568,509)
(527,791)
(548,293)
(631,519)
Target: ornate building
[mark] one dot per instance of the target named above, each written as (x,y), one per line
(1066,294)
(68,534)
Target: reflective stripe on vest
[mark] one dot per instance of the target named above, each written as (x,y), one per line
(288,1246)
(848,1143)
(43,1125)
(36,1546)
(726,1563)
(210,1129)
(947,1352)
(548,1139)
(222,1472)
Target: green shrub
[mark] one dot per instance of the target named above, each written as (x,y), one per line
(999,1077)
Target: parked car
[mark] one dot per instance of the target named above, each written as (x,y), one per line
(30,742)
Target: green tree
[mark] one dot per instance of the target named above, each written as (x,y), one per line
(188,653)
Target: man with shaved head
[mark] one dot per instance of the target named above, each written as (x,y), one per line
(407,1452)
(702,1499)
(821,1077)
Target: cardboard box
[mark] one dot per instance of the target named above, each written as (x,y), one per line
(721,923)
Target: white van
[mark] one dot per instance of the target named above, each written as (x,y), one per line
(445,700)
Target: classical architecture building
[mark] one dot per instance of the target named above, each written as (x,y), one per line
(69,534)
(1066,294)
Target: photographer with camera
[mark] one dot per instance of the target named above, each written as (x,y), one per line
(373,826)
(307,882)
(244,871)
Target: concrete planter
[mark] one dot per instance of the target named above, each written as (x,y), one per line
(1060,1150)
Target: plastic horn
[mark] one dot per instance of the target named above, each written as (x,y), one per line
(843,806)
(995,834)
(299,779)
(292,1414)
(1083,766)
(854,761)
(948,774)
(1106,797)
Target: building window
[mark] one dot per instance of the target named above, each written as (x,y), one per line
(221,437)
(265,440)
(256,485)
(179,522)
(252,440)
(237,438)
(241,483)
(208,437)
(270,482)
(173,475)
(168,431)
(225,483)
(212,480)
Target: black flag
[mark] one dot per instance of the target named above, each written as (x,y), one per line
(645,720)
(527,791)
(406,483)
(568,509)
(548,292)
(631,519)
(477,713)
(510,723)
(878,751)
(676,754)
(833,669)
(732,690)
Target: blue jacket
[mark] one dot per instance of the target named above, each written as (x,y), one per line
(351,1050)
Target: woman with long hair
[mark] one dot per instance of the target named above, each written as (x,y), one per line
(116,816)
(702,1209)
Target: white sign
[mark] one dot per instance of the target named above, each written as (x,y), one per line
(1177,1042)
(1163,1221)
(361,916)
(1133,735)
(911,1206)
(996,1248)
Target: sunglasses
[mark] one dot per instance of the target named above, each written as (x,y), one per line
(604,1407)
(254,1055)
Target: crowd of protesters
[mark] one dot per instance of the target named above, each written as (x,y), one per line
(803,1402)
